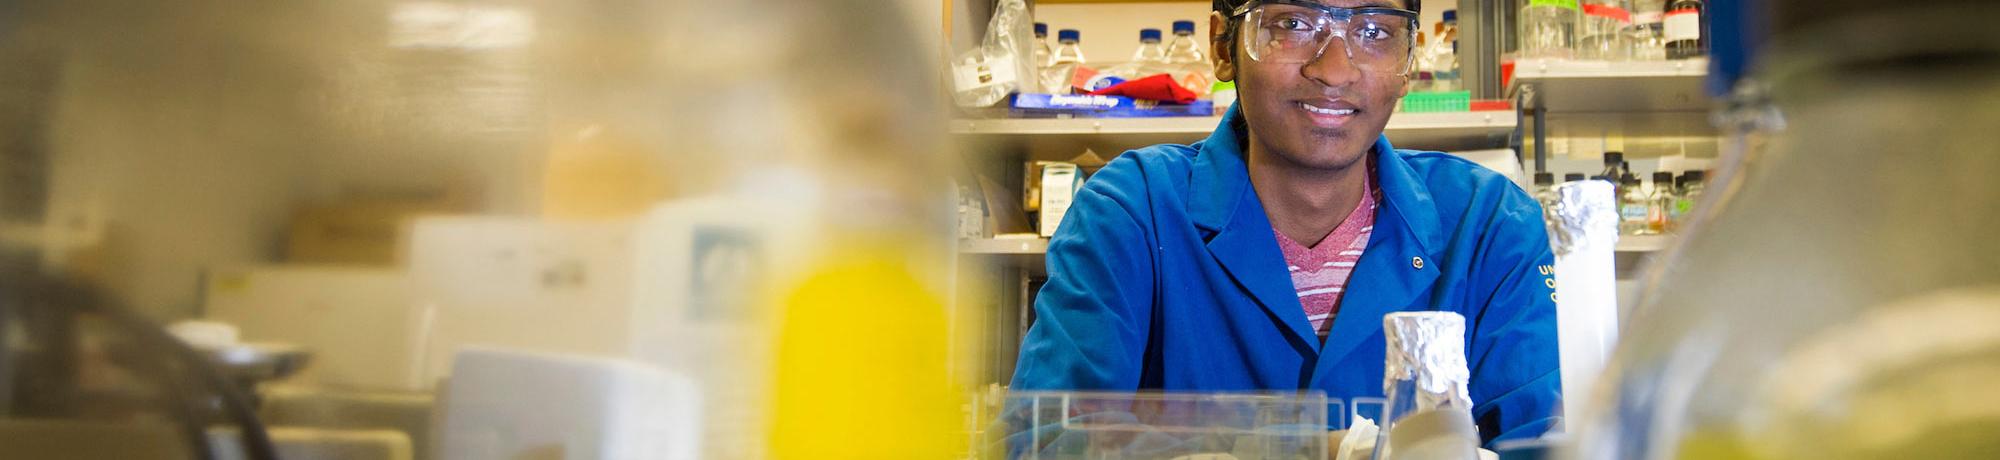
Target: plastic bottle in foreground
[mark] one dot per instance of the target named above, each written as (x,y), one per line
(1830,302)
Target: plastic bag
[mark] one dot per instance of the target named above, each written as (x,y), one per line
(1003,63)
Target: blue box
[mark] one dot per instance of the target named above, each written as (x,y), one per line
(1032,105)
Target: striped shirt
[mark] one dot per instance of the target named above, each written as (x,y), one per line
(1320,273)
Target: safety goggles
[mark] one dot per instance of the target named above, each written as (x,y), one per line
(1375,39)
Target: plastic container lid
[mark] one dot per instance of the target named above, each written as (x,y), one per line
(1450,16)
(1183,26)
(1149,35)
(1545,178)
(1069,35)
(1572,177)
(1041,29)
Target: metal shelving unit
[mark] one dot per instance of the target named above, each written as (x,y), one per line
(1108,136)
(1632,99)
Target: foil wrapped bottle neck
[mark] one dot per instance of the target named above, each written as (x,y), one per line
(1428,349)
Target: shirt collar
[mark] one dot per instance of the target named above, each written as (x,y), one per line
(1221,178)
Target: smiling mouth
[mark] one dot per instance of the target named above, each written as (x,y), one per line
(1328,114)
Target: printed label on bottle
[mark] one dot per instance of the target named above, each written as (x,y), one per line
(1650,17)
(1683,25)
(1608,12)
(1633,212)
(1564,4)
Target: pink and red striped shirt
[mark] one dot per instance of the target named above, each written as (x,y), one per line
(1320,273)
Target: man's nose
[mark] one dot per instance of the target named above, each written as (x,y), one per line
(1332,67)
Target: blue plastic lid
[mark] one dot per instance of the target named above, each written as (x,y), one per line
(1041,29)
(1149,35)
(1183,26)
(1069,35)
(1450,15)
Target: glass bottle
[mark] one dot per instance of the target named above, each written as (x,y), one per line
(1150,51)
(1660,203)
(1600,30)
(1429,411)
(1042,48)
(1685,30)
(1632,207)
(1068,51)
(1547,29)
(1645,32)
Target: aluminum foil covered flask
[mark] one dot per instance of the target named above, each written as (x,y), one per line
(1429,415)
(1583,224)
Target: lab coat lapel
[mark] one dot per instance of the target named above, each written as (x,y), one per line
(1388,277)
(1239,234)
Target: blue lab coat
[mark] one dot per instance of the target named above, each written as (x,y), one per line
(1166,275)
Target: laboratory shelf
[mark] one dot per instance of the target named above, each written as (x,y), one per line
(1417,130)
(1004,246)
(1569,86)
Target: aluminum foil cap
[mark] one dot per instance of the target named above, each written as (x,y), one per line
(1585,217)
(1429,348)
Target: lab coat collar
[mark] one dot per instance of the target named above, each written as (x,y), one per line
(1240,238)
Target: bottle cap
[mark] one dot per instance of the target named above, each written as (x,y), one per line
(1149,35)
(1450,16)
(1660,178)
(1614,158)
(1041,29)
(1545,178)
(1069,36)
(1694,176)
(1181,27)
(1573,177)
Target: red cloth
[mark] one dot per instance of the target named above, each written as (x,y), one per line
(1154,88)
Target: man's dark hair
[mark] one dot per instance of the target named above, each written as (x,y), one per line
(1229,6)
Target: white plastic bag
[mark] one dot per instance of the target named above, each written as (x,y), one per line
(1003,63)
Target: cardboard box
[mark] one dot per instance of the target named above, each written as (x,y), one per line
(1059,183)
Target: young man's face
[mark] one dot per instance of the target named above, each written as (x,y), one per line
(1322,114)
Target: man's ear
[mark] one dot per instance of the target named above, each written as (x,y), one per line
(1221,43)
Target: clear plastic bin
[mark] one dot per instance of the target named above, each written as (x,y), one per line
(1109,426)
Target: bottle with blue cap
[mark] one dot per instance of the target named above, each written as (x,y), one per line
(1067,49)
(1042,48)
(1150,51)
(1184,49)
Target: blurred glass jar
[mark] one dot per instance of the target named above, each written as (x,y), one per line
(1861,321)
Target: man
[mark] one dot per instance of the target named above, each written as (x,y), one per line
(1265,256)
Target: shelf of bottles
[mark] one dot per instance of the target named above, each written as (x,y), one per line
(1598,56)
(1422,130)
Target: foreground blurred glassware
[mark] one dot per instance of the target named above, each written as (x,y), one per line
(1836,296)
(614,229)
(1066,425)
